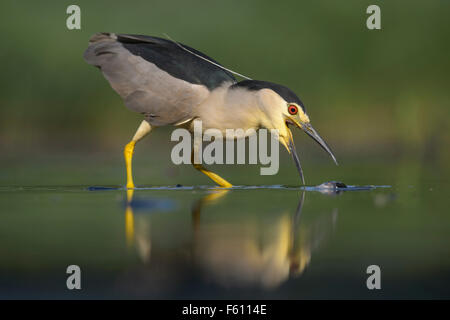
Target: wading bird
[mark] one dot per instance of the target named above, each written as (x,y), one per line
(173,84)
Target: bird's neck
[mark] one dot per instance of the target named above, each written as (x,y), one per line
(227,108)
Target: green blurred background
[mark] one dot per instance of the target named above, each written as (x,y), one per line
(374,95)
(380,98)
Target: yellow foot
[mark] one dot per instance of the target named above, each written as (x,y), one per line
(223,183)
(215,177)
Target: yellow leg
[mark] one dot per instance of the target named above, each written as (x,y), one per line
(196,162)
(141,132)
(215,177)
(128,153)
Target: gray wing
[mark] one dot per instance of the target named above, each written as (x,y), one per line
(155,76)
(170,57)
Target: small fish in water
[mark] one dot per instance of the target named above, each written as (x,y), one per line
(332,185)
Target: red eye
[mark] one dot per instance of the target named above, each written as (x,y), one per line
(292,109)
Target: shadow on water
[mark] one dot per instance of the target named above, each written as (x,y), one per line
(237,252)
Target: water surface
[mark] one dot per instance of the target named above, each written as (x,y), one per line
(270,241)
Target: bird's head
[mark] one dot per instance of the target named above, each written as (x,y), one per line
(294,114)
(282,109)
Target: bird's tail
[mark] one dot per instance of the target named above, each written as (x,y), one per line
(100,45)
(103,36)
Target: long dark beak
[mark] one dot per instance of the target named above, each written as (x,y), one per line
(293,152)
(288,143)
(313,134)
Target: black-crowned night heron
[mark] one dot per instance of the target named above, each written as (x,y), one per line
(173,84)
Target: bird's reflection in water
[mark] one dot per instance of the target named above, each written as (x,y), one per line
(253,254)
(239,252)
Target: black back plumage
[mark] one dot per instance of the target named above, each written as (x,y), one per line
(179,63)
(284,92)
